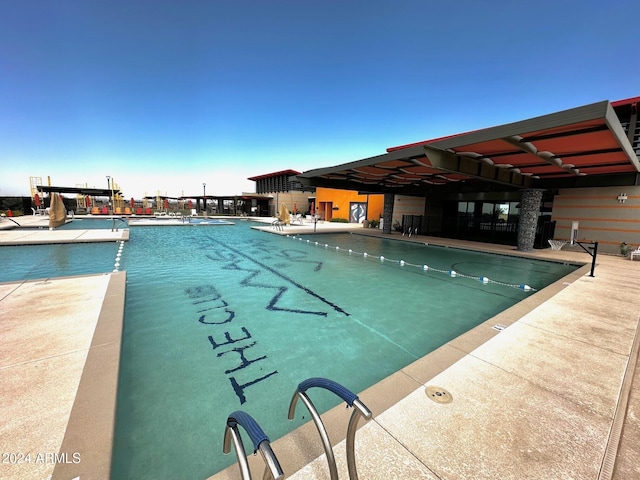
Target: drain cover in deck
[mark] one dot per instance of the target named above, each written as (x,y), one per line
(438,394)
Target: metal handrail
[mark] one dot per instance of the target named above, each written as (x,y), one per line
(113,226)
(260,442)
(352,400)
(9,218)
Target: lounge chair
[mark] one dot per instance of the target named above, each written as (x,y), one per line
(634,253)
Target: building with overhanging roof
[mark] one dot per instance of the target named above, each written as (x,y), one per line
(574,168)
(280,188)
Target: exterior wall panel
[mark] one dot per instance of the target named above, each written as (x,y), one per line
(341,199)
(602,217)
(405,205)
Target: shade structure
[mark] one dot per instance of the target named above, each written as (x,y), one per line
(57,211)
(190,204)
(295,208)
(313,208)
(36,200)
(559,150)
(166,203)
(132,202)
(87,201)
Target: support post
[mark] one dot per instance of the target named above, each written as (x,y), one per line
(387,214)
(528,222)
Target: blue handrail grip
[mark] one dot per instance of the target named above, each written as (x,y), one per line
(343,392)
(256,434)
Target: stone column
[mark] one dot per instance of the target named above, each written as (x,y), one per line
(387,214)
(529,212)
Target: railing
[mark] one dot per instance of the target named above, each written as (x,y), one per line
(118,219)
(360,410)
(260,442)
(9,218)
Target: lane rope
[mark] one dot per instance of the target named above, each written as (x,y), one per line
(424,267)
(116,263)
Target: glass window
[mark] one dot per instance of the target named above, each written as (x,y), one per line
(502,212)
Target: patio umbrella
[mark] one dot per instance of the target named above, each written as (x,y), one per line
(313,208)
(166,204)
(295,208)
(283,216)
(57,211)
(87,201)
(132,202)
(36,200)
(190,205)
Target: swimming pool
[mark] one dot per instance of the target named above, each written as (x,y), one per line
(220,319)
(89,223)
(30,262)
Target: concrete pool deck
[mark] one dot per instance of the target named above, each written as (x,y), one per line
(35,231)
(553,395)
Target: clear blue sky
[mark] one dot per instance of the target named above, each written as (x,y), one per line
(165,95)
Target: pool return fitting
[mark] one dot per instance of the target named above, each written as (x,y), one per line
(261,441)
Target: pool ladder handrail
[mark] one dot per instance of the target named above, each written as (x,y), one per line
(9,218)
(113,225)
(352,400)
(260,442)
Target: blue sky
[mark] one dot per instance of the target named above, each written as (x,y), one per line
(167,95)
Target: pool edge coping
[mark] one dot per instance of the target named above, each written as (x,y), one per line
(91,424)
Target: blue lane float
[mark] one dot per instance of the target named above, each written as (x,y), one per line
(452,273)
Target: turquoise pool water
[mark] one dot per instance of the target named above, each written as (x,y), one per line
(30,262)
(226,318)
(93,223)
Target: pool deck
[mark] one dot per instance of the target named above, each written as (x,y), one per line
(35,231)
(555,394)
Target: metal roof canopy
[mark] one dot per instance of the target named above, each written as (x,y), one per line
(94,192)
(288,172)
(552,151)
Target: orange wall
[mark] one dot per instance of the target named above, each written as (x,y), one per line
(332,197)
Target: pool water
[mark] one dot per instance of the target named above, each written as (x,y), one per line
(228,318)
(94,223)
(30,262)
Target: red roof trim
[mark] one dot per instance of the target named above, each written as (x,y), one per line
(426,142)
(618,103)
(627,101)
(274,174)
